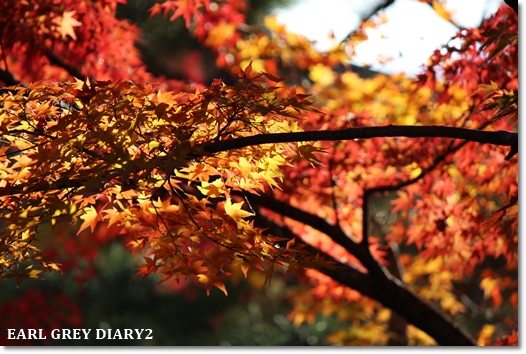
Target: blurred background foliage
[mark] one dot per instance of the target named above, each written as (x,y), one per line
(178,314)
(168,48)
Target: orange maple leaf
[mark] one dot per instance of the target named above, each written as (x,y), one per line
(91,217)
(185,8)
(65,24)
(210,281)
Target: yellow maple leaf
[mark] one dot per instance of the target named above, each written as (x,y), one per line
(234,210)
(214,189)
(90,217)
(65,24)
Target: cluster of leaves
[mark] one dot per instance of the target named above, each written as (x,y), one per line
(57,40)
(135,147)
(205,181)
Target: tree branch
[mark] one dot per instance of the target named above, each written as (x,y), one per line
(379,7)
(60,63)
(387,290)
(342,273)
(7,78)
(320,224)
(397,324)
(501,137)
(365,217)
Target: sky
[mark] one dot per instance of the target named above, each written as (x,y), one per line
(412,33)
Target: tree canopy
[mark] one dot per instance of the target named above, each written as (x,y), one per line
(394,198)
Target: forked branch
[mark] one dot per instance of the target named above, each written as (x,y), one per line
(382,286)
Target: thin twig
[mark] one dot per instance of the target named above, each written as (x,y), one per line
(378,8)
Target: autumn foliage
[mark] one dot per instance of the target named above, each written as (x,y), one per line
(394,198)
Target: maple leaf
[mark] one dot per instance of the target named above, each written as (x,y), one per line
(235,212)
(238,261)
(307,151)
(185,8)
(91,217)
(214,189)
(268,275)
(112,215)
(65,24)
(402,203)
(210,281)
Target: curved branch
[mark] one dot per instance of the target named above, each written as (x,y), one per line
(342,273)
(378,8)
(60,63)
(320,224)
(501,137)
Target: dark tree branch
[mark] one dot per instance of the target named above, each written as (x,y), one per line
(320,224)
(342,273)
(387,289)
(379,7)
(365,217)
(397,324)
(501,137)
(60,63)
(333,231)
(7,78)
(396,296)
